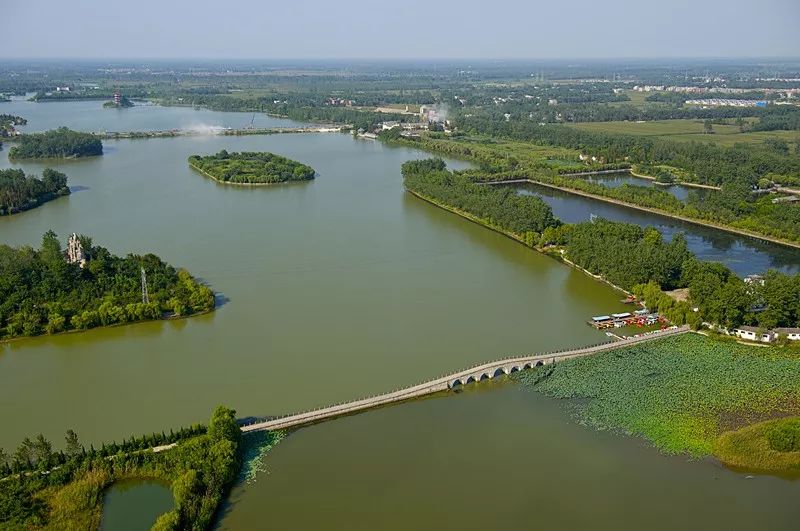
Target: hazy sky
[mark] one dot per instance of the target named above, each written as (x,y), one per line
(267,29)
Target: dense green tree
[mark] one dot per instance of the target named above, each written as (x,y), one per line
(251,167)
(20,192)
(59,143)
(41,293)
(73,447)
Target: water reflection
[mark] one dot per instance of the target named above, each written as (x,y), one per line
(615,180)
(742,254)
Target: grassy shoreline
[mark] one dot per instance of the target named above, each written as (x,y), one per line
(748,449)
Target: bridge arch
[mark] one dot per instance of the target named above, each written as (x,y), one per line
(471,379)
(500,371)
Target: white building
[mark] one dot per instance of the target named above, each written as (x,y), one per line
(792,334)
(752,333)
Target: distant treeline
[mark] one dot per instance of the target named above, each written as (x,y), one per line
(58,143)
(20,192)
(300,109)
(710,164)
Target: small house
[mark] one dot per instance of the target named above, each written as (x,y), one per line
(752,333)
(793,334)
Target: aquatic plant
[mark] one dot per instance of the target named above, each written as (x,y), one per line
(256,447)
(680,392)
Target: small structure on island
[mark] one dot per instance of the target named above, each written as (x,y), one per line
(75,253)
(117,98)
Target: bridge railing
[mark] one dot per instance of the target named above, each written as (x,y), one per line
(473,368)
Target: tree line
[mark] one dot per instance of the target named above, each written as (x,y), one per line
(526,216)
(42,293)
(20,192)
(58,143)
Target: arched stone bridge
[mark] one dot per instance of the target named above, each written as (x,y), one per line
(477,373)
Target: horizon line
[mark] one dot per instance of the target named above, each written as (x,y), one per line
(409,59)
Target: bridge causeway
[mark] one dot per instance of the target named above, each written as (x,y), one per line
(449,381)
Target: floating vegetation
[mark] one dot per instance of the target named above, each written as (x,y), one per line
(681,393)
(257,446)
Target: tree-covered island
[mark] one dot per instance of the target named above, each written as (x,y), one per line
(19,192)
(251,168)
(58,143)
(51,290)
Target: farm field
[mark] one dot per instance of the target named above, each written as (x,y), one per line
(689,130)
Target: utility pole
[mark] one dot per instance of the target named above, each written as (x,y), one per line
(145,297)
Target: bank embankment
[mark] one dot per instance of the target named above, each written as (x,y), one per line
(664,213)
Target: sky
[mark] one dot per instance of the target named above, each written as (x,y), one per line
(408,29)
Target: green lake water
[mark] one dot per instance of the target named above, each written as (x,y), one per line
(134,505)
(334,289)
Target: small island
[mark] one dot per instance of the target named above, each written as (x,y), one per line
(20,192)
(52,290)
(251,168)
(58,143)
(119,102)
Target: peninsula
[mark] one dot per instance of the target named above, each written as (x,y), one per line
(251,168)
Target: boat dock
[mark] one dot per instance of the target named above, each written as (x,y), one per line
(641,317)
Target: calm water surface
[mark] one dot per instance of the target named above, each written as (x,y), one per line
(331,289)
(334,289)
(743,255)
(496,457)
(615,180)
(134,505)
(91,116)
